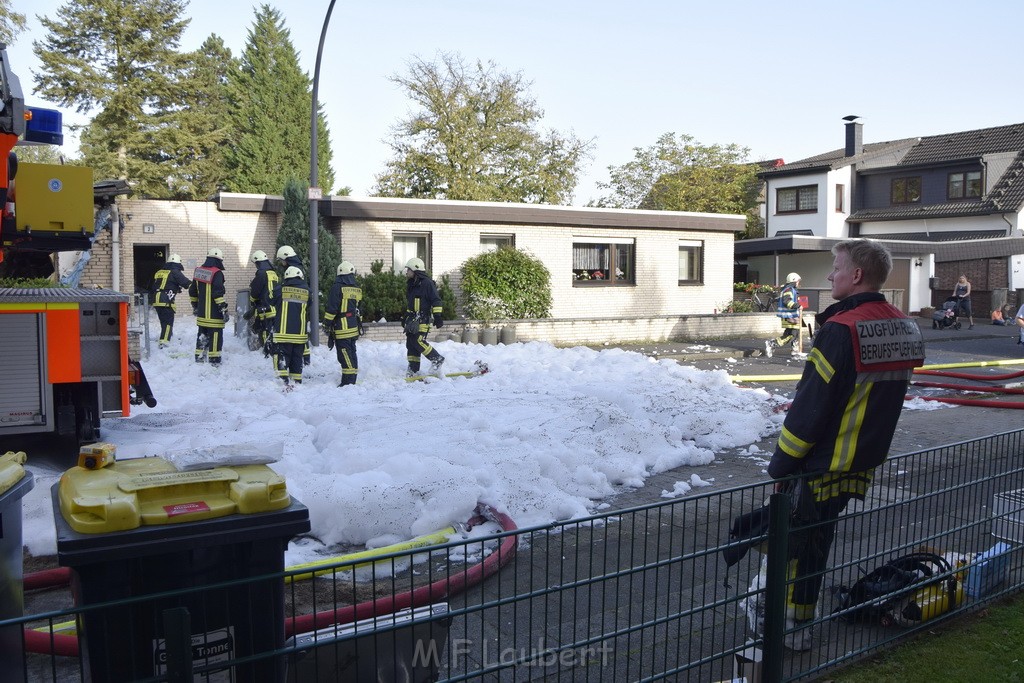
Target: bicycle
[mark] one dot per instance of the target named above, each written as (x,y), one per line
(769,303)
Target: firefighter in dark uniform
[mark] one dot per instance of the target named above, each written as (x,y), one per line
(423,305)
(261,293)
(287,256)
(341,320)
(211,310)
(290,337)
(167,284)
(842,419)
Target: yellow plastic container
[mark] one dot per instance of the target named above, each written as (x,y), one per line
(11,470)
(128,494)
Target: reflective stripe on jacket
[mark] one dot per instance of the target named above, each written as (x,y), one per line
(343,307)
(292,303)
(850,395)
(207,293)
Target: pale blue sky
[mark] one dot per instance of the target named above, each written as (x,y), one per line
(774,77)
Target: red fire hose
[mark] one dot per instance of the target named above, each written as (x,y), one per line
(442,588)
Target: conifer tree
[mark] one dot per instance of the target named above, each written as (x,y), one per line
(119,60)
(270,99)
(198,124)
(11,23)
(295,233)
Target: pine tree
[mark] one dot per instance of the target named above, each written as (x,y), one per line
(270,99)
(117,58)
(199,127)
(295,233)
(11,23)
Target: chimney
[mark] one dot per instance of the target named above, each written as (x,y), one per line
(854,135)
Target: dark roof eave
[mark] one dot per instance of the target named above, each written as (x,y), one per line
(440,211)
(944,251)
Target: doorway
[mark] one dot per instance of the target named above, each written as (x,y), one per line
(148,259)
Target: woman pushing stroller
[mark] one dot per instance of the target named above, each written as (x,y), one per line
(962,293)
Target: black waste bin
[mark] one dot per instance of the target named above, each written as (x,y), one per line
(12,595)
(127,641)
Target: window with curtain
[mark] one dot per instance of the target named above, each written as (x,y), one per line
(691,262)
(496,242)
(599,262)
(803,199)
(964,185)
(405,246)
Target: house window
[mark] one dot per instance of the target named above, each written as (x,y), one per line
(840,196)
(409,245)
(802,199)
(603,262)
(906,190)
(964,185)
(496,242)
(691,262)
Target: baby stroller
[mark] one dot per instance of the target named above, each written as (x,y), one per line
(946,316)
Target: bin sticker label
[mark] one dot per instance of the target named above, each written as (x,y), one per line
(208,648)
(164,479)
(186,508)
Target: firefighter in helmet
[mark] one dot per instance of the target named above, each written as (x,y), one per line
(211,310)
(423,306)
(167,284)
(291,303)
(287,257)
(261,292)
(341,320)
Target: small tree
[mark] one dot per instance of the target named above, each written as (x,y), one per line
(383,294)
(295,233)
(508,283)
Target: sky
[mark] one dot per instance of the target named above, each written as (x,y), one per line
(548,434)
(775,78)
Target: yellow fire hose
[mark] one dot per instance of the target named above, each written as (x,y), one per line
(69,628)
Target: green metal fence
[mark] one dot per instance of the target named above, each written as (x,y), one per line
(641,594)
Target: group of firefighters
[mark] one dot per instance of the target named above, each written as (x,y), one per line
(279,312)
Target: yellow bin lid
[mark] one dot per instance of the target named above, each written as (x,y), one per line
(11,470)
(128,494)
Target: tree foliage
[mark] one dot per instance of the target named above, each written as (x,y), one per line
(506,283)
(11,23)
(475,137)
(270,99)
(197,123)
(295,233)
(685,175)
(383,294)
(118,58)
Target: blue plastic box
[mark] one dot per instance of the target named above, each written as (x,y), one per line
(988,570)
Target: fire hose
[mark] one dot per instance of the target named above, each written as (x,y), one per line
(47,642)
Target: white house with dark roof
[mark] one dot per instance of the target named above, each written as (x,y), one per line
(615,274)
(944,205)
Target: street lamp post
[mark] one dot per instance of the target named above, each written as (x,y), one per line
(315,192)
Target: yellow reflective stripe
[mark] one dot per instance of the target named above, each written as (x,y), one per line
(849,428)
(829,486)
(792,445)
(821,365)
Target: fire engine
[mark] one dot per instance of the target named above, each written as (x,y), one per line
(65,350)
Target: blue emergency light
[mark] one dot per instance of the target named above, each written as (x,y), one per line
(44,126)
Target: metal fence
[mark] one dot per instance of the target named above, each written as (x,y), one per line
(641,594)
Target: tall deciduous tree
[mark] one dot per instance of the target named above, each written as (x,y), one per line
(270,99)
(295,233)
(11,23)
(117,58)
(475,137)
(685,175)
